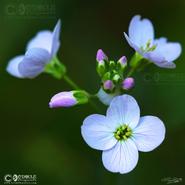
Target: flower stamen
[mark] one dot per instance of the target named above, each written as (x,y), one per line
(149,47)
(123,132)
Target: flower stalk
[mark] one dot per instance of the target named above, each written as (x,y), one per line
(55,68)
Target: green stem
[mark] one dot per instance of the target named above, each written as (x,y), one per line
(132,70)
(135,63)
(70,82)
(76,87)
(58,71)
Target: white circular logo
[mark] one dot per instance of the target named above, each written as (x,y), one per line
(8,178)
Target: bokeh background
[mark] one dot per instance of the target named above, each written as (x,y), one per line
(37,140)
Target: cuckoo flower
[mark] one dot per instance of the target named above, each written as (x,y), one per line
(39,52)
(122,133)
(159,51)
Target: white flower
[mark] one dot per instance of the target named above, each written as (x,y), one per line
(39,52)
(122,133)
(159,51)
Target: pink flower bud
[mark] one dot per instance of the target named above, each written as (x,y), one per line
(63,99)
(108,85)
(123,60)
(101,56)
(128,83)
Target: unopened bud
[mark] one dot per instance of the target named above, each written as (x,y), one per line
(101,56)
(106,76)
(128,83)
(108,85)
(116,78)
(112,64)
(68,99)
(122,62)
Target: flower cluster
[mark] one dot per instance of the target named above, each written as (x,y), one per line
(113,79)
(122,132)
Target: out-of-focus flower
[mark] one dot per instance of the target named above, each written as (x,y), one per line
(159,51)
(122,133)
(68,99)
(39,52)
(128,83)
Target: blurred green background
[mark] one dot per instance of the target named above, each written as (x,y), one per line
(37,140)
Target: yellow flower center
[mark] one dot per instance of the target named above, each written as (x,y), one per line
(123,132)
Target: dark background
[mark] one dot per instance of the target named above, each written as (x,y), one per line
(37,140)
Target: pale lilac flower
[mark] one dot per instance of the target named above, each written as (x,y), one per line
(39,52)
(122,133)
(128,83)
(159,51)
(63,99)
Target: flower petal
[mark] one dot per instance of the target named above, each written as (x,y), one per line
(149,133)
(122,158)
(104,97)
(124,110)
(56,37)
(12,67)
(63,99)
(34,62)
(141,31)
(43,40)
(133,45)
(170,50)
(159,60)
(165,53)
(97,133)
(165,64)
